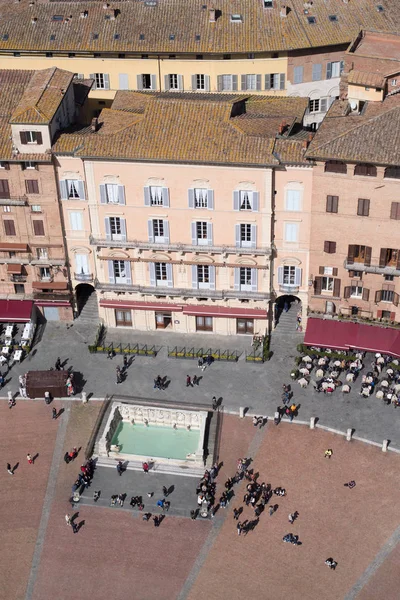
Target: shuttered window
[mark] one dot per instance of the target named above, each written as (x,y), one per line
(330,247)
(332,204)
(32,186)
(9,227)
(363,207)
(38,227)
(365,170)
(4,188)
(395,211)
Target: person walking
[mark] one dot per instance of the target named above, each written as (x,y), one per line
(291,518)
(29,459)
(195,380)
(11,400)
(54,412)
(9,469)
(214,403)
(236,513)
(58,364)
(239,528)
(200,362)
(75,527)
(271,510)
(293,410)
(120,467)
(68,520)
(145,467)
(332,564)
(328,453)
(118,375)
(188,381)
(125,362)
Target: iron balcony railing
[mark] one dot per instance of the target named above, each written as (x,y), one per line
(83,276)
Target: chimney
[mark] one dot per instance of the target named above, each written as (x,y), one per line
(211,12)
(308,141)
(94,125)
(282,127)
(284,10)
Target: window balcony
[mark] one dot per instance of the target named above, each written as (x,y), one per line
(16,201)
(182,292)
(103,243)
(289,289)
(18,278)
(83,276)
(374,269)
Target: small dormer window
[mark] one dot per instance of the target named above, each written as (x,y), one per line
(333,18)
(116,36)
(379,8)
(57,18)
(393,82)
(236,18)
(268,4)
(311,20)
(141,36)
(52,37)
(31,137)
(5,37)
(95,36)
(172,37)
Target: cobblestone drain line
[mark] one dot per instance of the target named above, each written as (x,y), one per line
(48,499)
(374,565)
(216,526)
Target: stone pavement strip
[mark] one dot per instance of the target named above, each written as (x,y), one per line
(48,499)
(374,565)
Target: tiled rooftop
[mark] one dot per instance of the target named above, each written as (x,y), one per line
(179,26)
(372,137)
(374,80)
(192,129)
(377,45)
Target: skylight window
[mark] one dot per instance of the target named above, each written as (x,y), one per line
(57,18)
(141,36)
(52,37)
(5,37)
(380,8)
(311,20)
(116,36)
(197,37)
(95,36)
(172,37)
(333,18)
(236,18)
(268,4)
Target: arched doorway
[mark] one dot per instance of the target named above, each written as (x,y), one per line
(287,307)
(83,291)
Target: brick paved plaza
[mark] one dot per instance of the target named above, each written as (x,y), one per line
(117,555)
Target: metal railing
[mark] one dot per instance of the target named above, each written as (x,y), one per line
(83,276)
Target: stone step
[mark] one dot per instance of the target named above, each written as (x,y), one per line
(158,467)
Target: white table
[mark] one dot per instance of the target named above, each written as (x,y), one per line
(9,330)
(5,350)
(17,355)
(2,360)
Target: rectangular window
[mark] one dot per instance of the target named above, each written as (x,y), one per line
(200,82)
(203,276)
(334,69)
(314,105)
(9,227)
(204,324)
(394,210)
(163,320)
(6,208)
(115,228)
(387,296)
(36,208)
(245,279)
(291,232)
(200,198)
(161,273)
(146,81)
(289,275)
(245,234)
(30,137)
(173,81)
(275,81)
(363,207)
(38,227)
(317,72)
(119,271)
(245,200)
(293,200)
(244,326)
(32,186)
(76,221)
(327,284)
(298,74)
(112,193)
(250,82)
(201,233)
(4,189)
(101,81)
(335,166)
(330,247)
(158,229)
(45,273)
(30,165)
(156,195)
(123,318)
(72,188)
(332,204)
(356,289)
(4,165)
(228,83)
(42,253)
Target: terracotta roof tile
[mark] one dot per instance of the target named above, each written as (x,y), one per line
(375,80)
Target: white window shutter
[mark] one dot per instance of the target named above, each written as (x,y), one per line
(209,234)
(166,82)
(180,83)
(297,276)
(236,200)
(81,190)
(165,196)
(258,82)
(191,197)
(150,229)
(211,273)
(63,189)
(128,272)
(194,234)
(206,83)
(91,76)
(253,236)
(219,83)
(256,202)
(152,273)
(280,275)
(108,228)
(268,81)
(254,285)
(121,194)
(147,195)
(234,83)
(170,282)
(123,81)
(123,229)
(210,199)
(194,277)
(139,82)
(111,275)
(166,232)
(194,83)
(106,81)
(237,235)
(323,104)
(243,82)
(237,278)
(329,70)
(103,194)
(282,81)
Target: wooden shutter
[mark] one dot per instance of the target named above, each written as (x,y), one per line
(38,227)
(152,274)
(106,78)
(253,236)
(318,286)
(317,72)
(282,81)
(4,189)
(219,83)
(323,104)
(107,228)
(368,253)
(382,258)
(123,81)
(166,231)
(103,194)
(351,254)
(392,316)
(255,202)
(237,278)
(194,277)
(234,83)
(194,82)
(378,296)
(336,288)
(153,82)
(209,234)
(347,291)
(211,276)
(123,229)
(170,282)
(165,196)
(111,275)
(297,276)
(39,139)
(268,81)
(191,197)
(329,204)
(194,233)
(206,83)
(365,294)
(31,186)
(166,82)
(243,82)
(236,200)
(237,235)
(139,82)
(378,314)
(9,227)
(330,247)
(147,195)
(334,271)
(92,76)
(363,207)
(121,194)
(81,190)
(150,230)
(22,135)
(180,83)
(128,272)
(329,70)
(280,275)
(254,284)
(210,199)
(395,210)
(321,270)
(396,299)
(63,189)
(258,82)
(298,74)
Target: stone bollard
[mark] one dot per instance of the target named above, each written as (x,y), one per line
(385,445)
(84,398)
(241,412)
(349,434)
(312,423)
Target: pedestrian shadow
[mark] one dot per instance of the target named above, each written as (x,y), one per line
(74,516)
(35,457)
(80,525)
(199,379)
(60,412)
(170,489)
(63,364)
(15,467)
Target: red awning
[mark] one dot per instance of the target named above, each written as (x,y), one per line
(225,311)
(49,285)
(15,269)
(15,311)
(118,304)
(342,336)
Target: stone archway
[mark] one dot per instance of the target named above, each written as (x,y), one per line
(83,291)
(286,309)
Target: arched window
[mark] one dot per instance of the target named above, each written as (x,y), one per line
(392,172)
(335,166)
(366,170)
